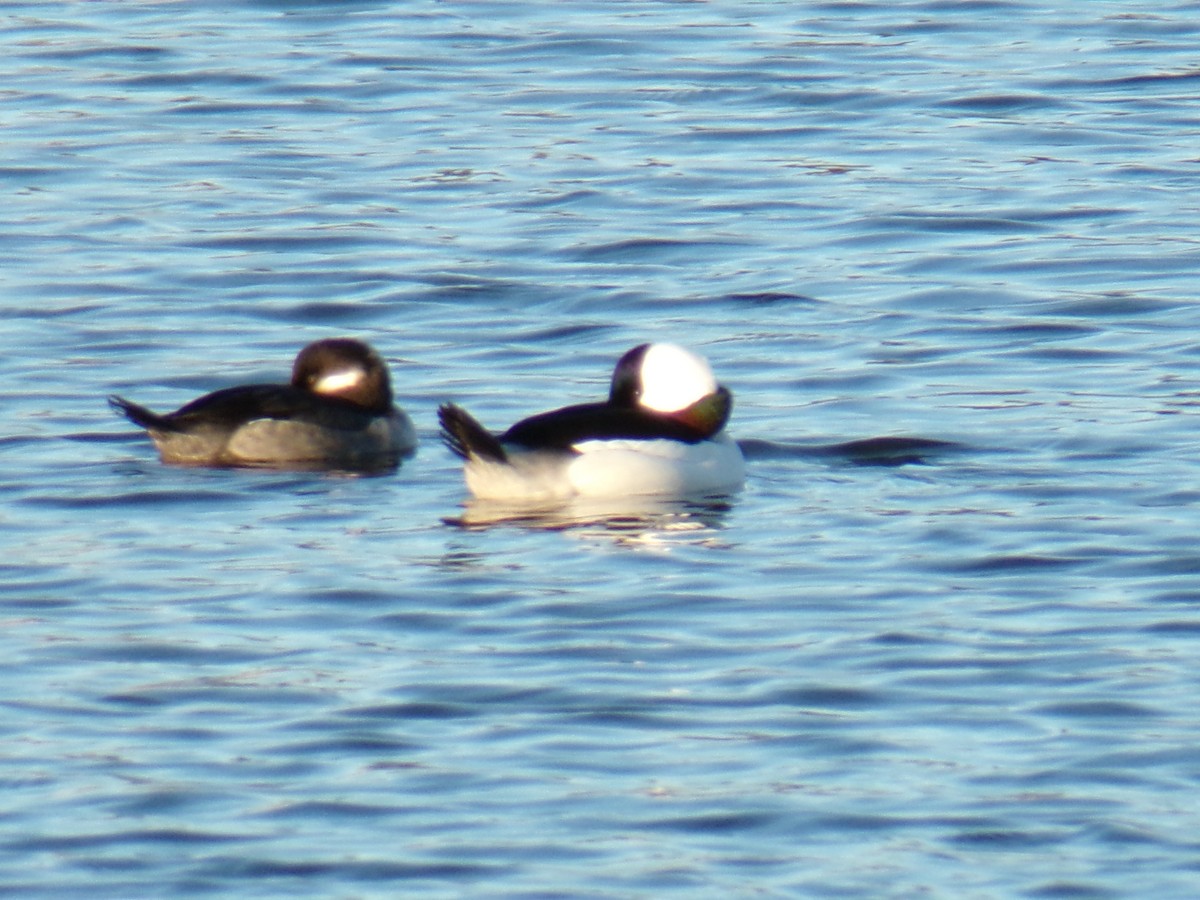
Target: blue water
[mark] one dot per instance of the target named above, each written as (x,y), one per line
(945,642)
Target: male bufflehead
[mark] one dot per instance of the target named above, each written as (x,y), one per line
(659,432)
(336,413)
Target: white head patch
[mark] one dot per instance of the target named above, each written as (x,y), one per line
(674,378)
(338,380)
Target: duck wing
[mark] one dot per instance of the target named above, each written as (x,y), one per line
(233,407)
(563,428)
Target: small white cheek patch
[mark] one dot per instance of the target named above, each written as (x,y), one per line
(338,381)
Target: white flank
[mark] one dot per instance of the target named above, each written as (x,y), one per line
(612,469)
(616,468)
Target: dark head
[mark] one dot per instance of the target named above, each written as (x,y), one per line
(346,369)
(627,379)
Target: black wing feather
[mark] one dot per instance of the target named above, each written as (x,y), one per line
(563,428)
(466,437)
(233,407)
(138,414)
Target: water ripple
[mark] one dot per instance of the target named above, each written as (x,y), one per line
(941,253)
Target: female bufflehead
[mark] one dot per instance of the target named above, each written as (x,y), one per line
(659,432)
(336,413)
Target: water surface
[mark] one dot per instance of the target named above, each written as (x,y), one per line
(943,644)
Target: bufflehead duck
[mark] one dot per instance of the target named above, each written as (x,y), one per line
(660,432)
(336,413)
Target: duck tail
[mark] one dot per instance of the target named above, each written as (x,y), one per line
(138,415)
(467,438)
